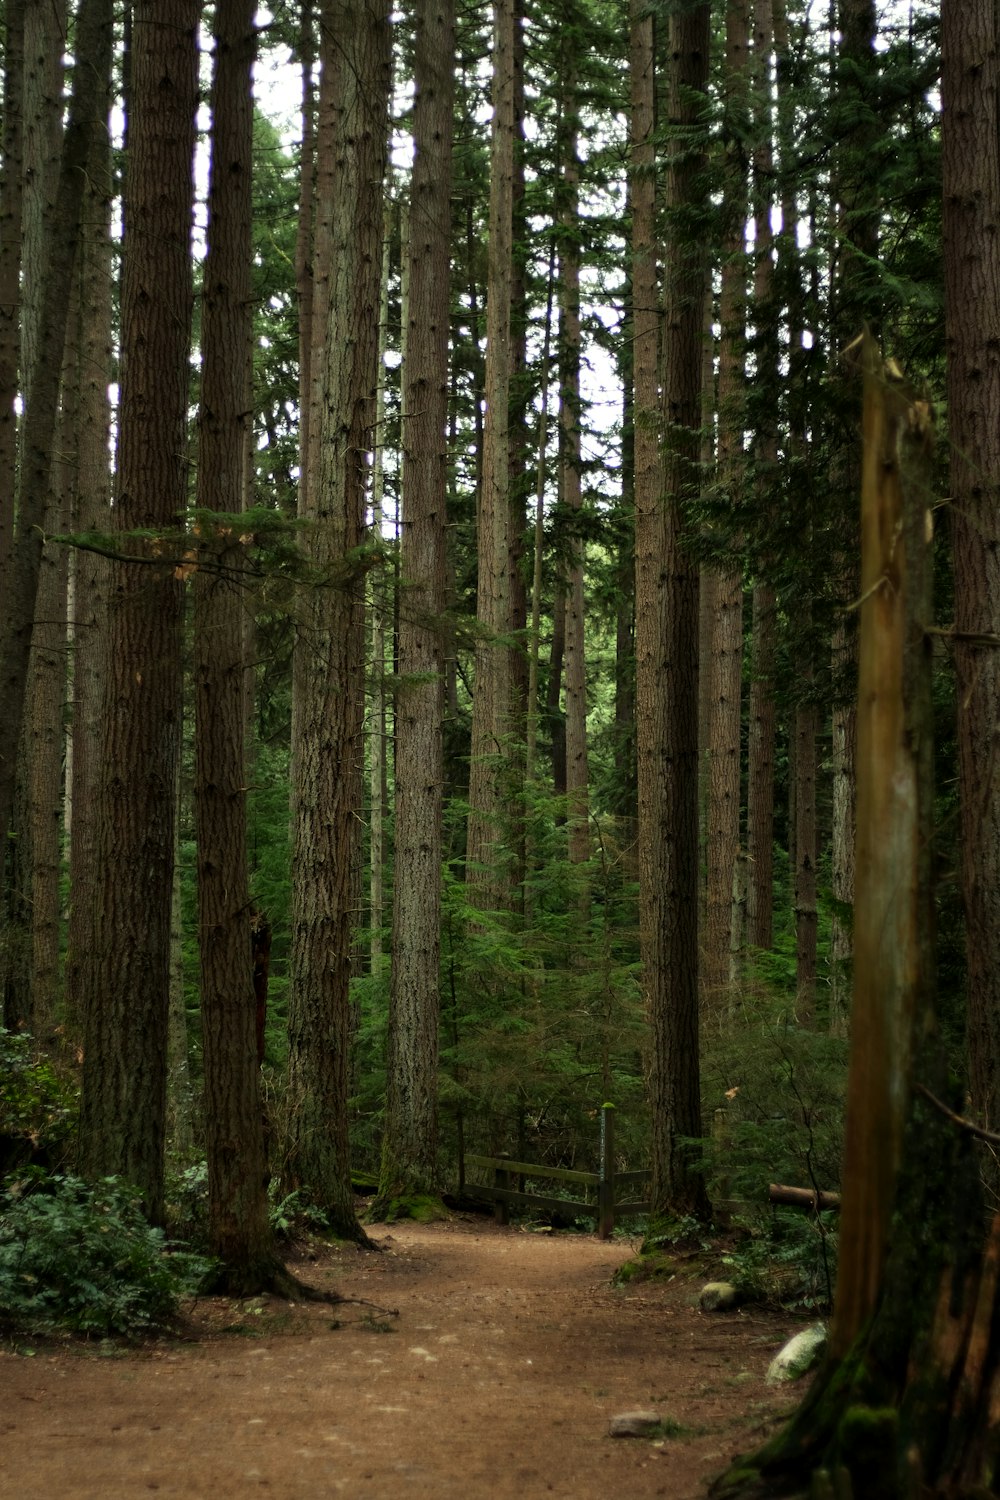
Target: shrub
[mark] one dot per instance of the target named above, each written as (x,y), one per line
(38,1104)
(82,1257)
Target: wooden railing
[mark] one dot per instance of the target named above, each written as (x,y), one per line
(601,1189)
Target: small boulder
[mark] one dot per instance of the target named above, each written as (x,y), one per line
(718,1296)
(800,1355)
(635,1424)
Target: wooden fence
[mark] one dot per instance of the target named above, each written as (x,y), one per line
(600,1198)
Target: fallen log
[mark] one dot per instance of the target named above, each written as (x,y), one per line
(802,1197)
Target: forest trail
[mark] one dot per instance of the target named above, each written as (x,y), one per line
(510,1354)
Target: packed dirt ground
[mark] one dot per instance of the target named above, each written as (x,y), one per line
(511,1352)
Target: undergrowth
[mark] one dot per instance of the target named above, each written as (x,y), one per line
(81,1257)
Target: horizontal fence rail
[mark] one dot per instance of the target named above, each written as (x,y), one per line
(600,1198)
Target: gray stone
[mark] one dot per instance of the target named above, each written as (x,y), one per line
(800,1355)
(718,1296)
(635,1424)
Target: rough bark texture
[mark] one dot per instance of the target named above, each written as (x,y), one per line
(410,1142)
(971,165)
(726,664)
(88,576)
(906,1403)
(11,233)
(328,687)
(87,114)
(856,298)
(760,773)
(488,863)
(667,617)
(760,751)
(123,1109)
(571,491)
(238,1223)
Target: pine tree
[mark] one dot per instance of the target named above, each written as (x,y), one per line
(409,1149)
(329,648)
(122,1123)
(667,623)
(239,1226)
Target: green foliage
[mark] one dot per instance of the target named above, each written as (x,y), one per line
(38,1103)
(777,1090)
(82,1257)
(295,1213)
(788,1257)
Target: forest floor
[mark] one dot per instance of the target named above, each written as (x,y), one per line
(511,1352)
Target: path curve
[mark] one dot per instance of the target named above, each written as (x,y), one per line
(511,1353)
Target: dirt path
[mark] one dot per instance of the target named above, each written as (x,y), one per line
(510,1354)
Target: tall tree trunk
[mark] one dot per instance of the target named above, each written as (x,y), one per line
(87,114)
(409,1147)
(856,299)
(667,624)
(725,723)
(37,810)
(377,778)
(238,1223)
(328,684)
(906,1402)
(577,784)
(538,535)
(88,577)
(122,1121)
(11,236)
(971,166)
(488,874)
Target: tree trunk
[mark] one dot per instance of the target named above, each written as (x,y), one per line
(87,114)
(34,909)
(667,621)
(11,235)
(88,579)
(725,723)
(409,1147)
(906,1402)
(577,793)
(377,778)
(238,1223)
(971,165)
(328,685)
(487,868)
(122,1121)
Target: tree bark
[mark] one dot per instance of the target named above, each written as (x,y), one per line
(409,1148)
(88,579)
(971,167)
(905,1404)
(571,491)
(328,686)
(487,858)
(667,623)
(726,665)
(122,1121)
(239,1227)
(87,114)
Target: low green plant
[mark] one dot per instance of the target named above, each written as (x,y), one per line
(295,1213)
(788,1257)
(81,1257)
(38,1103)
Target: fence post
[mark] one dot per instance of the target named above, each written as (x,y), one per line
(606,1174)
(501,1210)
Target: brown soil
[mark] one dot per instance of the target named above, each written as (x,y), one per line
(510,1354)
